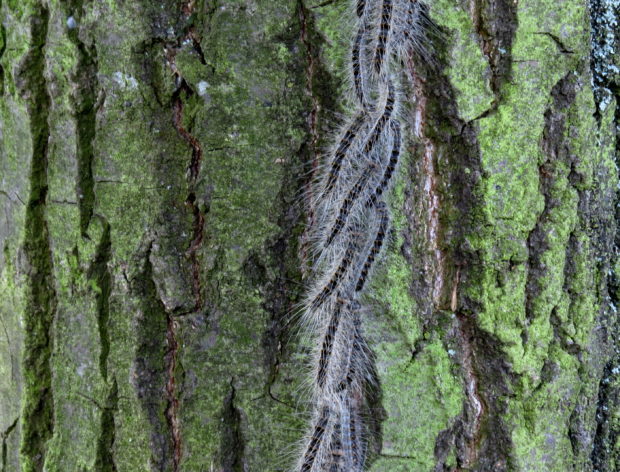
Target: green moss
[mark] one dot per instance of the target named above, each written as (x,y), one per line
(562,308)
(469,71)
(421,398)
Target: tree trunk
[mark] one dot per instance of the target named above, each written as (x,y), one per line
(153,161)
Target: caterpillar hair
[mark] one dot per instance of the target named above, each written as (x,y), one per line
(356,66)
(379,126)
(361,7)
(348,229)
(342,150)
(385,26)
(375,249)
(337,276)
(328,342)
(349,201)
(391,166)
(336,455)
(316,440)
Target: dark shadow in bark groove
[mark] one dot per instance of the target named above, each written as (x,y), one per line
(150,367)
(84,101)
(232,447)
(104,461)
(496,24)
(100,273)
(605,40)
(555,148)
(38,404)
(284,289)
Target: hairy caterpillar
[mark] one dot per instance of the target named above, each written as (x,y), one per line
(315,440)
(349,201)
(350,226)
(391,166)
(341,151)
(384,31)
(376,246)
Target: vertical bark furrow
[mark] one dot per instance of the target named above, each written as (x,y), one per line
(104,461)
(151,367)
(496,24)
(604,60)
(555,166)
(604,63)
(99,272)
(38,406)
(480,438)
(172,408)
(86,89)
(5,450)
(2,49)
(193,171)
(232,448)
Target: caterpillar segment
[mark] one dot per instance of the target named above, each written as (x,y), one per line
(381,122)
(316,440)
(381,44)
(355,194)
(342,150)
(377,244)
(391,166)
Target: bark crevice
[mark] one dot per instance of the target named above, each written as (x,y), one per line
(152,367)
(5,450)
(496,23)
(84,97)
(232,447)
(38,406)
(100,273)
(104,461)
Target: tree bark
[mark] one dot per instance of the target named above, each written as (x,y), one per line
(154,160)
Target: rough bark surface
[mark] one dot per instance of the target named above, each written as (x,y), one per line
(153,156)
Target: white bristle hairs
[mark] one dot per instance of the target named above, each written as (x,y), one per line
(349,230)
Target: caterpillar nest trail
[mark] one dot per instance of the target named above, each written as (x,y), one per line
(349,228)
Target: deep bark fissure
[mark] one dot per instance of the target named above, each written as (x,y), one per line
(480,438)
(2,50)
(104,461)
(38,407)
(606,435)
(85,92)
(193,171)
(605,38)
(152,367)
(232,447)
(604,60)
(172,408)
(556,151)
(183,93)
(322,92)
(99,272)
(5,450)
(496,23)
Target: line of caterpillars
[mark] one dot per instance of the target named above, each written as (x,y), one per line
(349,229)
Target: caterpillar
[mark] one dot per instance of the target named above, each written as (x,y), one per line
(377,244)
(341,151)
(350,226)
(328,342)
(349,201)
(379,126)
(315,440)
(391,166)
(384,31)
